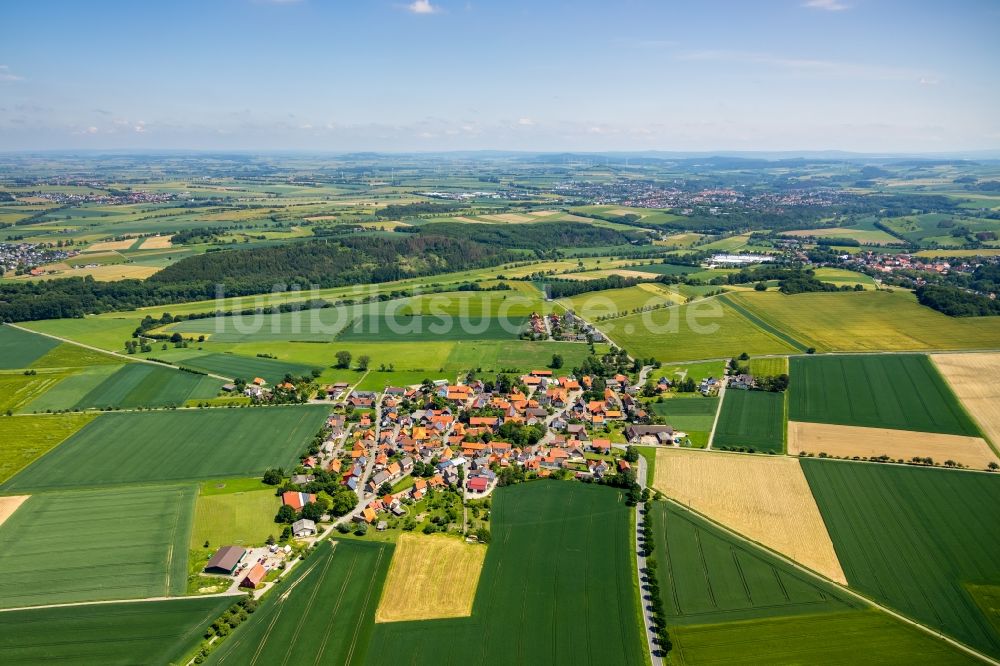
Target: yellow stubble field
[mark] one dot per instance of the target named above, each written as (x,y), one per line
(765,498)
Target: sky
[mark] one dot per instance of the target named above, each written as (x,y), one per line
(435,75)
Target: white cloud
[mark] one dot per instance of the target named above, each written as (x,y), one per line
(422,7)
(5,74)
(526,122)
(140,127)
(826,5)
(927,81)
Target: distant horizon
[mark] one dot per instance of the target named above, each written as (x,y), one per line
(817,153)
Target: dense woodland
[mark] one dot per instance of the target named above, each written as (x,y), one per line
(542,236)
(324,263)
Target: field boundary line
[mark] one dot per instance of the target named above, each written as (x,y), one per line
(105,602)
(762,323)
(135,359)
(843,588)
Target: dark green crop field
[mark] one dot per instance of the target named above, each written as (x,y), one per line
(245,367)
(94,545)
(19,349)
(707,576)
(556,588)
(420,328)
(754,419)
(323,614)
(900,391)
(915,539)
(145,447)
(150,632)
(147,385)
(854,637)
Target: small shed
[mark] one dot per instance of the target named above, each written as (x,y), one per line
(254,577)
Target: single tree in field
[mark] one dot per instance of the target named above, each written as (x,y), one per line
(557,361)
(363,362)
(343,359)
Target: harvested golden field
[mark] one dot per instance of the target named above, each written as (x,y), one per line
(157,243)
(543,213)
(430,577)
(104,246)
(9,504)
(973,379)
(849,441)
(508,217)
(764,498)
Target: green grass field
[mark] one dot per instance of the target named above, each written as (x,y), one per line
(914,539)
(323,614)
(707,576)
(107,332)
(701,330)
(95,545)
(690,414)
(26,438)
(18,389)
(769,367)
(147,385)
(66,393)
(19,349)
(145,447)
(752,419)
(868,321)
(900,391)
(240,518)
(68,355)
(840,277)
(245,367)
(151,632)
(556,588)
(419,328)
(831,638)
(594,304)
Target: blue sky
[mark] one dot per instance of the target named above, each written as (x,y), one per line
(862,75)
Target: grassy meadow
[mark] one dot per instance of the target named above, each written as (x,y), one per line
(701,330)
(145,447)
(27,438)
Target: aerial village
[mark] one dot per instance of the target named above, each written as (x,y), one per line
(427,457)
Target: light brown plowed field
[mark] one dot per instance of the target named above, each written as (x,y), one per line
(974,378)
(430,577)
(849,441)
(105,246)
(157,243)
(8,505)
(767,499)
